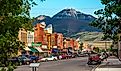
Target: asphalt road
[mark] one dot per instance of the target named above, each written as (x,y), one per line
(74,64)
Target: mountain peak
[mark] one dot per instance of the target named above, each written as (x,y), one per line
(70,13)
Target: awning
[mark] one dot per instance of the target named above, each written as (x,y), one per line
(39,49)
(27,49)
(33,49)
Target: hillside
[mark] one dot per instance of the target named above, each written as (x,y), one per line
(88,36)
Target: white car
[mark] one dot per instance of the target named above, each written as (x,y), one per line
(50,58)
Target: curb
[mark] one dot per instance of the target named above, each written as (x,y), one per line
(99,66)
(95,67)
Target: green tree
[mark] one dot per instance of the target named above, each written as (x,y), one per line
(14,14)
(109,19)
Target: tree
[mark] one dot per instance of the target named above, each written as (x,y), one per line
(14,14)
(109,19)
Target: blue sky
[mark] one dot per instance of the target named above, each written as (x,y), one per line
(51,7)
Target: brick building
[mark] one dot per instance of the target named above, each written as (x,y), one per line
(54,39)
(39,34)
(60,40)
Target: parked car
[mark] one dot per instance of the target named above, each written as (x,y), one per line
(24,59)
(64,56)
(94,60)
(34,58)
(69,56)
(50,58)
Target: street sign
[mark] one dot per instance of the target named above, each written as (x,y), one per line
(34,66)
(36,44)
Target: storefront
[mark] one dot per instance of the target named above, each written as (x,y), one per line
(33,51)
(70,50)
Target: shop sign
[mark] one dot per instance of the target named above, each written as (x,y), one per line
(36,44)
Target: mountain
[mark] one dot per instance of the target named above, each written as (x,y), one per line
(70,21)
(88,36)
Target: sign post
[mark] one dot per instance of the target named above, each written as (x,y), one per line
(34,66)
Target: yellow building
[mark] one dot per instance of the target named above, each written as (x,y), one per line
(22,37)
(100,44)
(30,38)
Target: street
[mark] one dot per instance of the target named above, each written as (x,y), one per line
(74,64)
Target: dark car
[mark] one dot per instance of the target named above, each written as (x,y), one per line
(94,60)
(69,56)
(34,58)
(63,56)
(24,59)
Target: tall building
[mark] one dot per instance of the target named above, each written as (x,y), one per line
(60,40)
(39,33)
(30,37)
(54,39)
(49,29)
(48,36)
(71,43)
(76,45)
(23,36)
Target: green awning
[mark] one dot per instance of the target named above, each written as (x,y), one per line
(33,49)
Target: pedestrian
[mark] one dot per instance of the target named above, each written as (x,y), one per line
(106,55)
(60,57)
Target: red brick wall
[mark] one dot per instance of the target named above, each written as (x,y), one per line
(72,43)
(39,34)
(60,40)
(76,44)
(54,39)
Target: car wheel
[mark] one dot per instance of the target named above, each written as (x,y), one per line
(46,60)
(54,59)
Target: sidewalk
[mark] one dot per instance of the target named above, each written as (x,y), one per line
(112,64)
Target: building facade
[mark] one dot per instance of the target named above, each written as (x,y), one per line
(30,38)
(54,39)
(60,40)
(39,33)
(99,44)
(23,36)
